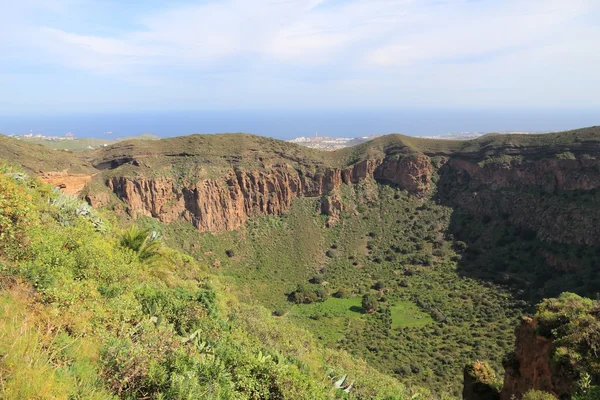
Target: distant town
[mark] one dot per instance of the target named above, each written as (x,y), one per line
(335,143)
(330,143)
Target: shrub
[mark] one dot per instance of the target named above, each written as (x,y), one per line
(15,212)
(343,293)
(573,324)
(369,303)
(538,395)
(306,295)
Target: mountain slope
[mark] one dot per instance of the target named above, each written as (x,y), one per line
(88,311)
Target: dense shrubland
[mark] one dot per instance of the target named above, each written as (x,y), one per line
(89,311)
(424,321)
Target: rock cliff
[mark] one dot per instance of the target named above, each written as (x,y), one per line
(226,202)
(539,193)
(529,366)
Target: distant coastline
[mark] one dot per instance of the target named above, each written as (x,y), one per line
(289,125)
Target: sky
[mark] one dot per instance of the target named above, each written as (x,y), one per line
(87,56)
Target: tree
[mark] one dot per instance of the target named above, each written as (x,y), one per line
(369,303)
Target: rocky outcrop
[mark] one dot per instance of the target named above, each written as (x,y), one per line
(332,206)
(529,367)
(67,182)
(411,173)
(225,203)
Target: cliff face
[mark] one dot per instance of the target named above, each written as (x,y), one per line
(524,191)
(538,194)
(530,366)
(225,203)
(550,174)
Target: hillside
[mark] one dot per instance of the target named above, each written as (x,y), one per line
(415,255)
(95,312)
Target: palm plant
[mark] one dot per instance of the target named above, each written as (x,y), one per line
(143,242)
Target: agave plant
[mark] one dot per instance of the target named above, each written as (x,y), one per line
(341,384)
(70,209)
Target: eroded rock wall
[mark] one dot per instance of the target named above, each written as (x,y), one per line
(529,367)
(225,203)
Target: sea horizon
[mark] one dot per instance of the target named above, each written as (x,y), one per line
(291,124)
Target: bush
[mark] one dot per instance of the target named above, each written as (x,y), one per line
(306,295)
(538,395)
(369,303)
(343,293)
(573,324)
(16,212)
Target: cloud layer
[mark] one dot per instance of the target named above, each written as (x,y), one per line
(303,53)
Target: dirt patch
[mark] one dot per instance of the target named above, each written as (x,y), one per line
(68,183)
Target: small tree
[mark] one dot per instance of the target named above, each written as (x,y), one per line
(369,303)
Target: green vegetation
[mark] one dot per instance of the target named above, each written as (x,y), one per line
(406,314)
(85,315)
(537,395)
(573,324)
(36,157)
(288,306)
(496,249)
(369,303)
(431,321)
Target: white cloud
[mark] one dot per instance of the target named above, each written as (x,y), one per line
(388,51)
(469,31)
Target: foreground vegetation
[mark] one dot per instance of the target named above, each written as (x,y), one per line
(88,311)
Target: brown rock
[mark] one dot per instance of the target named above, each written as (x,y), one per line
(69,183)
(529,368)
(225,203)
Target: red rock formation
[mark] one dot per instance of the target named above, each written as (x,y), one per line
(410,173)
(225,203)
(332,206)
(530,367)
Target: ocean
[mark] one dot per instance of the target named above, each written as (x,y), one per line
(291,124)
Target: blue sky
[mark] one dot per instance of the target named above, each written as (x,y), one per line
(81,56)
